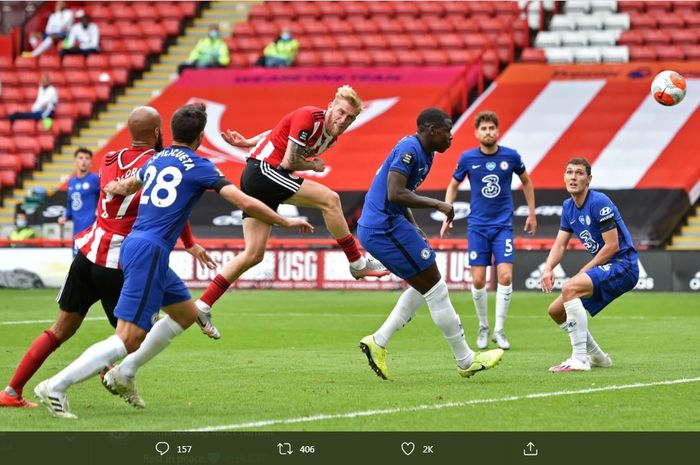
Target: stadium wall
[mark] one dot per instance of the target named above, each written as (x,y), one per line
(305,268)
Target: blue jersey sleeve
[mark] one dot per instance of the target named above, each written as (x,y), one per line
(208,174)
(564,225)
(462,169)
(602,211)
(69,209)
(518,165)
(404,163)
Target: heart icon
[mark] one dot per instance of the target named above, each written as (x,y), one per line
(408,447)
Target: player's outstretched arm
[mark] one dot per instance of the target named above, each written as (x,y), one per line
(450,196)
(555,255)
(123,187)
(236,139)
(259,210)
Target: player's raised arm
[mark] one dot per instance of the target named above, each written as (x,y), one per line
(553,259)
(236,139)
(124,187)
(529,191)
(259,210)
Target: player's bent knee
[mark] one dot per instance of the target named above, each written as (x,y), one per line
(479,283)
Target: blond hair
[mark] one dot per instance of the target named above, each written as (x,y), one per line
(348,94)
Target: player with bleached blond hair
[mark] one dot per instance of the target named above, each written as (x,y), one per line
(294,144)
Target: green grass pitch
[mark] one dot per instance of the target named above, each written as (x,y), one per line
(289,361)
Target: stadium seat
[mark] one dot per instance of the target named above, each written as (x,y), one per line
(440,25)
(373,42)
(548,39)
(281,10)
(84,108)
(103,91)
(25,64)
(130,30)
(24,127)
(110,47)
(10,161)
(314,27)
(563,23)
(73,62)
(171,26)
(49,62)
(330,10)
(363,26)
(617,54)
(66,110)
(383,57)
(7,145)
(457,9)
(425,42)
(586,55)
(574,39)
(435,57)
(642,53)
(616,21)
(533,55)
(603,6)
(12,95)
(506,9)
(409,58)
(682,6)
(27,144)
(8,78)
(414,26)
(321,42)
(559,55)
(631,37)
(431,9)
(6,63)
(490,66)
(656,37)
(398,42)
(520,31)
(8,179)
(381,9)
(138,61)
(581,7)
(266,28)
(307,58)
(643,21)
(247,44)
(5,128)
(669,53)
(146,11)
(332,58)
(450,41)
(692,20)
(683,36)
(405,9)
(461,57)
(358,58)
(63,126)
(78,78)
(390,26)
(170,10)
(98,12)
(348,42)
(306,10)
(691,52)
(27,78)
(603,38)
(123,12)
(631,6)
(47,142)
(28,160)
(670,20)
(657,5)
(119,61)
(354,9)
(590,22)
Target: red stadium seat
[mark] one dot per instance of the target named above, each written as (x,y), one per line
(247,44)
(435,57)
(683,6)
(669,53)
(8,179)
(506,9)
(489,24)
(266,28)
(25,64)
(188,9)
(153,31)
(321,42)
(27,144)
(306,9)
(476,41)
(146,11)
(431,9)
(409,57)
(683,36)
(384,58)
(12,95)
(49,62)
(24,127)
(281,10)
(313,27)
(66,110)
(656,37)
(425,42)
(490,65)
(131,30)
(533,55)
(381,9)
(358,58)
(631,6)
(355,9)
(138,61)
(171,26)
(4,128)
(28,78)
(64,126)
(450,41)
(363,26)
(120,62)
(111,46)
(348,42)
(459,9)
(415,26)
(642,53)
(658,6)
(10,161)
(505,48)
(631,37)
(47,143)
(28,160)
(338,26)
(406,9)
(84,108)
(670,20)
(7,145)
(6,63)
(463,25)
(307,59)
(374,42)
(98,12)
(155,45)
(438,25)
(390,26)
(520,31)
(692,20)
(76,62)
(9,79)
(333,58)
(399,42)
(169,10)
(122,12)
(78,78)
(134,46)
(481,9)
(691,52)
(103,91)
(643,21)
(461,57)
(330,10)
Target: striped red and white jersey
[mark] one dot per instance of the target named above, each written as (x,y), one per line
(116,214)
(304,127)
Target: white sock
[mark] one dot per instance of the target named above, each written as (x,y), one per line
(444,316)
(157,339)
(577,324)
(406,307)
(201,306)
(503,295)
(94,359)
(359,264)
(592,347)
(480,298)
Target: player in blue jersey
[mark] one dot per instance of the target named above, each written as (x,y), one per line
(173,180)
(388,231)
(614,269)
(490,169)
(83,193)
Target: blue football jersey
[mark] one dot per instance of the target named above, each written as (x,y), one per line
(490,178)
(589,222)
(173,181)
(407,158)
(83,194)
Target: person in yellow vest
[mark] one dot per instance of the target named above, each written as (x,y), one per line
(282,52)
(210,52)
(22,231)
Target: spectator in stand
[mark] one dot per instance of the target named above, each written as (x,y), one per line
(56,30)
(83,38)
(282,52)
(210,52)
(22,230)
(44,105)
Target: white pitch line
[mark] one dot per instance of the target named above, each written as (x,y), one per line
(31,322)
(418,408)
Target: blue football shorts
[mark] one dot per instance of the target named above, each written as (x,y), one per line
(610,281)
(485,242)
(400,248)
(149,283)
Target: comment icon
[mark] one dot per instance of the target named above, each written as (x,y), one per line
(162,448)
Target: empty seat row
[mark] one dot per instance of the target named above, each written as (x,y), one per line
(590,22)
(129,11)
(659,37)
(576,38)
(619,54)
(681,6)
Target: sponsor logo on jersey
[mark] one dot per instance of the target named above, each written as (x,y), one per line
(560,277)
(407,158)
(491,166)
(504,165)
(645,282)
(605,211)
(695,282)
(86,185)
(475,166)
(304,135)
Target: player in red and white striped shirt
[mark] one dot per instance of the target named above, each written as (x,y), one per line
(94,274)
(293,145)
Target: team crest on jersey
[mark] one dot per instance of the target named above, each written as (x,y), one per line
(304,135)
(491,166)
(425,253)
(504,165)
(407,158)
(472,255)
(582,219)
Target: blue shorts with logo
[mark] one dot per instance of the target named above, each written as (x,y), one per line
(485,242)
(149,283)
(399,247)
(610,281)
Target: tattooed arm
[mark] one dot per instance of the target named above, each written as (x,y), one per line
(295,159)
